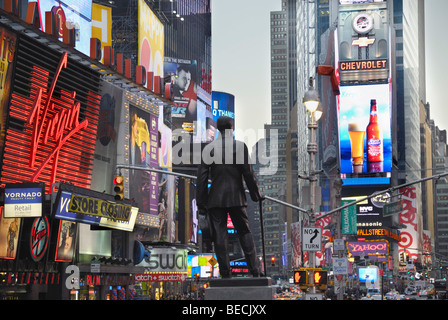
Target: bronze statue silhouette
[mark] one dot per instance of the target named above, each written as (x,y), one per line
(226,163)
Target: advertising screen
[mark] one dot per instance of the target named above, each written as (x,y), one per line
(369,212)
(183,75)
(201,264)
(9,235)
(368,274)
(365,134)
(78,13)
(223,105)
(150,40)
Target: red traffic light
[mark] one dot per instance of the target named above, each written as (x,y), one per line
(119,187)
(118,180)
(273,261)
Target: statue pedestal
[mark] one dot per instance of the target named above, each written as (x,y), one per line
(240,289)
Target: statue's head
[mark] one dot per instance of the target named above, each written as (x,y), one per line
(224,123)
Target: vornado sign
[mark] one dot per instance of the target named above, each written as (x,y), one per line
(166,259)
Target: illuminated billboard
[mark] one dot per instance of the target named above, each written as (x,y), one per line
(223,105)
(202,264)
(184,76)
(363,42)
(369,274)
(150,40)
(411,235)
(102,24)
(369,212)
(365,134)
(375,250)
(79,13)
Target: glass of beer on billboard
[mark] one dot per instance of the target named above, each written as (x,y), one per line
(357,134)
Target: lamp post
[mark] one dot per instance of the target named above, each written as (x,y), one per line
(311,101)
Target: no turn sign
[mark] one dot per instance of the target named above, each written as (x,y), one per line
(312,239)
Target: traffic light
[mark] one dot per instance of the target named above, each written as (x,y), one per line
(273,261)
(300,277)
(119,187)
(402,257)
(320,277)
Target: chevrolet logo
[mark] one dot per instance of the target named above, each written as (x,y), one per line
(363,42)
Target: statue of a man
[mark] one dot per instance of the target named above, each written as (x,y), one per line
(226,163)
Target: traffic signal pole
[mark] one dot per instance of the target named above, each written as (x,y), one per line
(328,213)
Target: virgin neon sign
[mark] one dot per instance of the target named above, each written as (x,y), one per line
(51,137)
(61,125)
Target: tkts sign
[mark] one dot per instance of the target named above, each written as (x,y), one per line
(51,136)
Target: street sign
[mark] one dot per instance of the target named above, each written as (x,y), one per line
(338,245)
(348,219)
(340,266)
(212,261)
(392,208)
(95,266)
(312,239)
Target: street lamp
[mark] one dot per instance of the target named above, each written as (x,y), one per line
(311,101)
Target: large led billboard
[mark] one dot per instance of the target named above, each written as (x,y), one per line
(150,40)
(369,212)
(202,264)
(369,274)
(365,134)
(183,75)
(79,13)
(223,105)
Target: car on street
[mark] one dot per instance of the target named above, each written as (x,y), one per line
(373,291)
(428,292)
(410,291)
(394,295)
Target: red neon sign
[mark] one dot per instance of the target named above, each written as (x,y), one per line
(60,126)
(55,145)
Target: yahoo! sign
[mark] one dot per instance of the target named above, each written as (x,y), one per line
(368,248)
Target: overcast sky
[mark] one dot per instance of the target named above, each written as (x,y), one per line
(241,58)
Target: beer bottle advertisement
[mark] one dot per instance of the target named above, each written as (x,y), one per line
(374,139)
(365,131)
